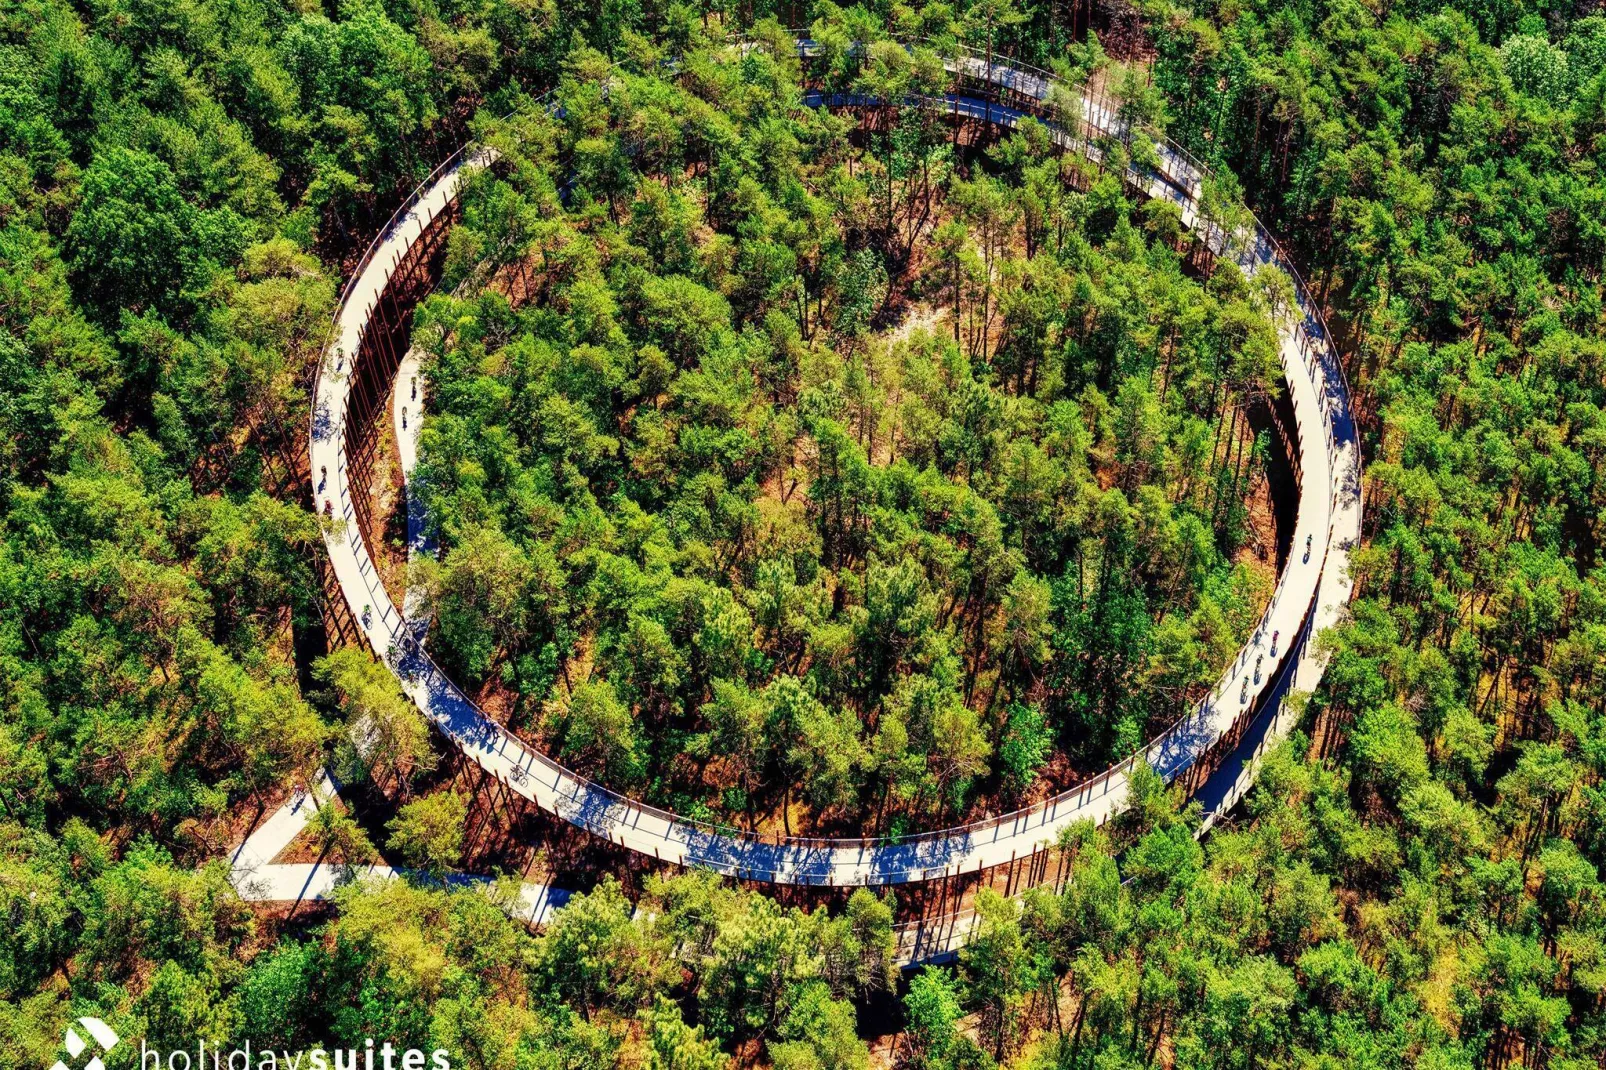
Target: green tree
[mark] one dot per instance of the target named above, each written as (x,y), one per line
(819,1032)
(674,1045)
(934,1014)
(386,730)
(593,955)
(599,733)
(137,243)
(427,833)
(998,970)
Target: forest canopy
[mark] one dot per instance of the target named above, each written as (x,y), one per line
(730,286)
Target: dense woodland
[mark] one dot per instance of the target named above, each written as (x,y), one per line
(727,541)
(183,183)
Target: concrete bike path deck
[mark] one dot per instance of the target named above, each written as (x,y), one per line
(664,836)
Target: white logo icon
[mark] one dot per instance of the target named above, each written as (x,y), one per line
(76,1044)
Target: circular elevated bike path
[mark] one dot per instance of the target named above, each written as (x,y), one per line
(1241,716)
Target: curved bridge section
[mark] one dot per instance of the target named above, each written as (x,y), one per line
(1211,750)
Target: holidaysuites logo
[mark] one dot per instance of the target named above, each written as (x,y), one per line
(204,1056)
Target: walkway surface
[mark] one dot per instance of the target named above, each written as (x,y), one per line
(1310,590)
